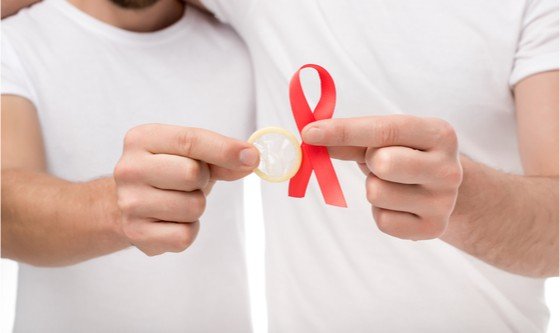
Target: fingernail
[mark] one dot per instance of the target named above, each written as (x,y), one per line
(249,156)
(313,134)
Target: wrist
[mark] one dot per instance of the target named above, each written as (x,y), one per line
(462,222)
(106,213)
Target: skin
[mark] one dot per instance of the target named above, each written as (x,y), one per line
(508,221)
(412,167)
(513,222)
(157,177)
(47,221)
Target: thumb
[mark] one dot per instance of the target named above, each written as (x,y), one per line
(249,157)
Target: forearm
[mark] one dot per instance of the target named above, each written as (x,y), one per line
(47,221)
(508,221)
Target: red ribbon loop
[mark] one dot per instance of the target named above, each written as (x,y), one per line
(315,158)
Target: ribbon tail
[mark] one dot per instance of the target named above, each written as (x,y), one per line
(326,176)
(315,158)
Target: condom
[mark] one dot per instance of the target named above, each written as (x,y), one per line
(280,154)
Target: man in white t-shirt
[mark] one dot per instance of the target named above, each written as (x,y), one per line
(79,76)
(412,77)
(489,69)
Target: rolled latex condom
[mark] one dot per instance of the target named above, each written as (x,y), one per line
(280,154)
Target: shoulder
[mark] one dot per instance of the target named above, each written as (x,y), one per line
(233,12)
(32,27)
(29,18)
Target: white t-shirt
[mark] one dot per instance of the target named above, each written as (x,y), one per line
(330,269)
(90,83)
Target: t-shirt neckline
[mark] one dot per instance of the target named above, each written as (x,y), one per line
(89,22)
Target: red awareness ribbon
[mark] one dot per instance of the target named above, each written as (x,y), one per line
(315,158)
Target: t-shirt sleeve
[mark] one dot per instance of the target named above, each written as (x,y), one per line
(229,11)
(15,80)
(537,49)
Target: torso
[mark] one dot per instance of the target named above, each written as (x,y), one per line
(93,83)
(330,269)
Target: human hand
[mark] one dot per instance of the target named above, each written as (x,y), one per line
(164,176)
(412,167)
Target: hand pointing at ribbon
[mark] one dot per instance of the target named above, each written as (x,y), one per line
(412,167)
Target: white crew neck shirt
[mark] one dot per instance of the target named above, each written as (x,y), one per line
(90,83)
(330,269)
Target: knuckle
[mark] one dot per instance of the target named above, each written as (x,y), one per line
(183,239)
(119,172)
(386,226)
(125,171)
(373,190)
(440,204)
(198,204)
(128,203)
(134,135)
(446,134)
(387,133)
(132,233)
(382,162)
(451,173)
(186,140)
(151,252)
(193,172)
(383,220)
(433,229)
(341,132)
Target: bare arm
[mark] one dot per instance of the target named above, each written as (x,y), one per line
(47,221)
(420,188)
(10,7)
(511,221)
(154,200)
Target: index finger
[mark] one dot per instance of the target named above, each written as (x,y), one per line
(198,144)
(380,131)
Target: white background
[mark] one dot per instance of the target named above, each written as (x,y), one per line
(255,262)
